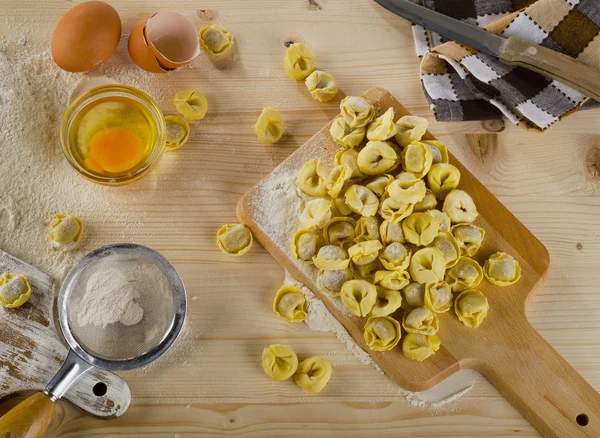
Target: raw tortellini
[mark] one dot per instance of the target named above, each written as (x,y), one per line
(279,362)
(14,290)
(427,265)
(383,127)
(290,304)
(349,157)
(438,297)
(442,219)
(313,374)
(299,62)
(312,178)
(336,180)
(215,39)
(382,333)
(322,86)
(502,269)
(394,280)
(178,132)
(391,232)
(388,301)
(395,257)
(459,207)
(417,159)
(344,135)
(414,296)
(471,306)
(339,231)
(65,232)
(332,258)
(365,252)
(379,184)
(465,274)
(428,202)
(191,104)
(362,200)
(394,211)
(407,188)
(305,245)
(357,111)
(376,158)
(359,296)
(330,282)
(420,320)
(448,245)
(269,126)
(367,228)
(410,128)
(420,229)
(234,239)
(442,179)
(316,214)
(420,347)
(469,238)
(439,152)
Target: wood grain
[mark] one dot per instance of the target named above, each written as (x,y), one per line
(181,205)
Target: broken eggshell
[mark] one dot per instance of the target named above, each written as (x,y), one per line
(163,41)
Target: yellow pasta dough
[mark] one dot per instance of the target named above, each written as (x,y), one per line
(357,112)
(382,333)
(178,132)
(441,218)
(366,271)
(379,184)
(191,104)
(312,178)
(428,202)
(465,274)
(279,362)
(383,127)
(339,231)
(391,232)
(394,280)
(438,297)
(359,296)
(234,239)
(322,86)
(316,214)
(388,301)
(215,39)
(416,159)
(442,179)
(305,245)
(413,296)
(331,282)
(420,229)
(420,347)
(14,290)
(367,228)
(299,62)
(377,158)
(344,135)
(439,152)
(395,257)
(65,232)
(459,207)
(420,320)
(469,238)
(340,207)
(427,265)
(365,252)
(331,257)
(407,188)
(448,245)
(471,307)
(269,126)
(502,269)
(313,374)
(349,157)
(410,128)
(361,200)
(392,210)
(290,304)
(336,179)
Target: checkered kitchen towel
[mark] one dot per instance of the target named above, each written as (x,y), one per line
(462,84)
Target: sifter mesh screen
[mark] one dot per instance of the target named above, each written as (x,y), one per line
(107,301)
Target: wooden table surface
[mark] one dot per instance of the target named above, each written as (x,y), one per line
(211,383)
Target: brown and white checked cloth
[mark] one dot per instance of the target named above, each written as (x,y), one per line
(463,84)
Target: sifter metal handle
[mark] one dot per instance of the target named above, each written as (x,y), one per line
(72,369)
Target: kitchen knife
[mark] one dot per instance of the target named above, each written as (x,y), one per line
(512,51)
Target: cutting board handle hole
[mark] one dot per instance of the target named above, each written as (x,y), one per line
(100,389)
(582,419)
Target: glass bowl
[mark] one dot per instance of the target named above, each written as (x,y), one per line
(77,110)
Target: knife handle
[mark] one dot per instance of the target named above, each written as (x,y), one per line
(552,64)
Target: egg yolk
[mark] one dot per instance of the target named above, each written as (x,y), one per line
(114,150)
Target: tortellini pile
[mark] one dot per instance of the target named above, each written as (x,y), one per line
(390,232)
(14,290)
(300,64)
(234,239)
(65,232)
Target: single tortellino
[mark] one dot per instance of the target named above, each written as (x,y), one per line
(459,207)
(388,301)
(395,257)
(420,347)
(357,112)
(340,207)
(359,296)
(349,157)
(215,39)
(346,136)
(322,86)
(471,306)
(331,282)
(234,239)
(367,271)
(336,180)
(394,211)
(427,265)
(290,304)
(191,104)
(299,62)
(279,362)
(361,200)
(312,178)
(410,128)
(407,188)
(414,296)
(339,231)
(420,229)
(394,280)
(14,290)
(365,252)
(331,257)
(305,245)
(178,132)
(269,126)
(502,269)
(379,184)
(382,333)
(416,159)
(442,179)
(367,228)
(376,158)
(383,127)
(465,274)
(313,374)
(469,238)
(441,218)
(391,232)
(448,245)
(428,202)
(316,214)
(65,232)
(439,152)
(438,297)
(420,320)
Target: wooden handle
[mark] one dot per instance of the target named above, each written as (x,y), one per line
(540,383)
(554,65)
(29,419)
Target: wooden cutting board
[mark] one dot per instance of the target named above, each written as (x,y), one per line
(505,349)
(31,351)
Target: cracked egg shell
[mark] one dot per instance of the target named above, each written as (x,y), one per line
(163,41)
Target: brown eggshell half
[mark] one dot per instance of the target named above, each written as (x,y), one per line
(172,38)
(140,51)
